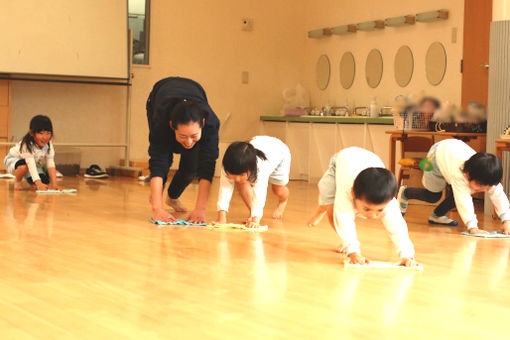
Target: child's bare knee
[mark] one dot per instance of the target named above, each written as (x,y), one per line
(21,168)
(279,189)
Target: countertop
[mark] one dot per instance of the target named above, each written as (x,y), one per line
(330,119)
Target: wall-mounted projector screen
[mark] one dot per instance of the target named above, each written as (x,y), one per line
(81,38)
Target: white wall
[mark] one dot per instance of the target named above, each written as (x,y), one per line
(327,13)
(79,113)
(203,40)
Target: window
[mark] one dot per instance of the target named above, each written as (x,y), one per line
(138,21)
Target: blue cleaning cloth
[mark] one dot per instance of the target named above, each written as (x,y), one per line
(53,191)
(492,234)
(179,222)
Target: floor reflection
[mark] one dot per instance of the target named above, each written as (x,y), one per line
(27,213)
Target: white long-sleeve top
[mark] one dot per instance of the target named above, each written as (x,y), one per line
(349,163)
(36,159)
(275,151)
(450,156)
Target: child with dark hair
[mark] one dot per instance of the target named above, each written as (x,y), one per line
(182,122)
(357,184)
(32,158)
(250,167)
(429,105)
(452,161)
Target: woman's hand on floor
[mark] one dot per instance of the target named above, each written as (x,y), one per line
(197,216)
(163,216)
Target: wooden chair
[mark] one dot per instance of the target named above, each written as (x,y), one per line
(415,145)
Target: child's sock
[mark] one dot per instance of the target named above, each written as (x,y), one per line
(442,220)
(403,201)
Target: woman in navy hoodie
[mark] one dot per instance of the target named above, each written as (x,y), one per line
(181,121)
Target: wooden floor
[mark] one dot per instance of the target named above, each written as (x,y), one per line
(91,266)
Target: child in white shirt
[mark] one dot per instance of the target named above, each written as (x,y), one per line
(33,157)
(452,161)
(357,184)
(250,167)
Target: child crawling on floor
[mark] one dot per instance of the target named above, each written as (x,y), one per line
(452,161)
(250,166)
(357,184)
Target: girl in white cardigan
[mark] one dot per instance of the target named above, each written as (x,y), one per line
(250,166)
(32,158)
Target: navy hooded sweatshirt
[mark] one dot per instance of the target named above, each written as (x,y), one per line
(162,138)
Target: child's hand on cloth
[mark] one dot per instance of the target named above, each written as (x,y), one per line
(356,258)
(54,186)
(41,186)
(407,262)
(506,227)
(252,222)
(477,231)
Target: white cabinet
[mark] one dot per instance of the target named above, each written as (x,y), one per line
(313,144)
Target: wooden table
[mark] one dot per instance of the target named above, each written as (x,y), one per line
(398,135)
(501,145)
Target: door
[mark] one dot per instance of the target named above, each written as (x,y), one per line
(475,72)
(5,118)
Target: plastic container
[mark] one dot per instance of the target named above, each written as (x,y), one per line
(373,108)
(294,112)
(411,121)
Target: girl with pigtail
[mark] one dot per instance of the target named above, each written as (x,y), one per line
(251,166)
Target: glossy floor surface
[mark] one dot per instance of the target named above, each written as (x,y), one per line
(91,266)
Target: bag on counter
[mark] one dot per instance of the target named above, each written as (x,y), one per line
(295,100)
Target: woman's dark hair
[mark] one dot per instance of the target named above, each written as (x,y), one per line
(484,168)
(433,100)
(37,124)
(185,111)
(375,185)
(240,158)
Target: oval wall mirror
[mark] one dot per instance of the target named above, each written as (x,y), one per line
(347,70)
(374,68)
(435,63)
(322,72)
(404,66)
